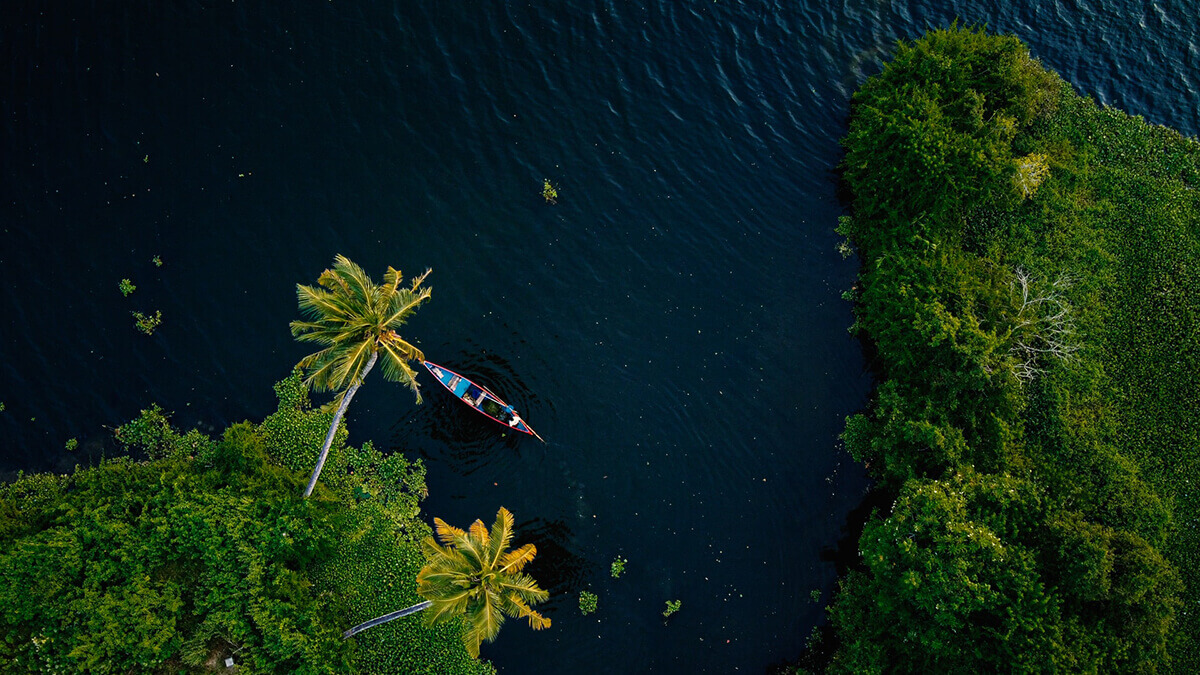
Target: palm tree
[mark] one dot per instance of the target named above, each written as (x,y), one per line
(474,574)
(355,321)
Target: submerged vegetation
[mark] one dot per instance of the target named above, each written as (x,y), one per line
(1029,284)
(207,550)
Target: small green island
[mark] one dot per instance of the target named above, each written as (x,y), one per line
(1031,294)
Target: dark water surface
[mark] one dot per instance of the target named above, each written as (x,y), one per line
(672,326)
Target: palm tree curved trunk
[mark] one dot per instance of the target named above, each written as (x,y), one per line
(337,418)
(420,606)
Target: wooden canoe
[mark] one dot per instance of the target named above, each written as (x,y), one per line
(480,399)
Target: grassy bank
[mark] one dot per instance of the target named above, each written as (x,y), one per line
(206,550)
(1029,283)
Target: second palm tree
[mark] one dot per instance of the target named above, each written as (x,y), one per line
(473,574)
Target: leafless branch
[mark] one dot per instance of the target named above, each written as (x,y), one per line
(1043,327)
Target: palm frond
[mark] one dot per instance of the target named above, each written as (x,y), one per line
(396,369)
(352,363)
(417,281)
(514,561)
(309,331)
(404,303)
(441,611)
(448,534)
(522,611)
(443,560)
(524,586)
(319,365)
(322,304)
(401,346)
(356,281)
(485,618)
(478,532)
(501,536)
(471,642)
(473,548)
(391,279)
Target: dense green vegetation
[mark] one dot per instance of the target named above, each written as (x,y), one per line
(207,549)
(1029,284)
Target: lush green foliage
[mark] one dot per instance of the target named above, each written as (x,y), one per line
(207,550)
(126,287)
(472,574)
(1029,284)
(587,602)
(159,566)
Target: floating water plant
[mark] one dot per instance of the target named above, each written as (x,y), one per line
(126,287)
(618,567)
(147,324)
(72,444)
(549,192)
(157,261)
(672,607)
(587,602)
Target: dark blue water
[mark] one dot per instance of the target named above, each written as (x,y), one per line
(672,326)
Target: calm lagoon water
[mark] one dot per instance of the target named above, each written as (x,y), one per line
(673,325)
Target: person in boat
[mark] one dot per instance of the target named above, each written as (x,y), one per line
(473,396)
(511,415)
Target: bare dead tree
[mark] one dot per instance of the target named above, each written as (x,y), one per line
(1044,326)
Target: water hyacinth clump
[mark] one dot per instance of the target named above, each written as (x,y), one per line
(618,567)
(672,607)
(145,323)
(587,602)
